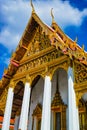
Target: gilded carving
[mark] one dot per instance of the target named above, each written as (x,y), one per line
(57,101)
(81,103)
(28,79)
(78,97)
(38,110)
(58,106)
(40,61)
(39,42)
(68,47)
(0,83)
(80,73)
(3,99)
(12,84)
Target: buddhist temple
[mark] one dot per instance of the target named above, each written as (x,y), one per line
(45,84)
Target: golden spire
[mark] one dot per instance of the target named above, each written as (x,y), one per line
(5,70)
(52,15)
(83,53)
(76,39)
(83,47)
(33,10)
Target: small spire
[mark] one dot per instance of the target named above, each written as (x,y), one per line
(83,47)
(76,39)
(57,86)
(12,54)
(52,15)
(83,53)
(33,10)
(5,70)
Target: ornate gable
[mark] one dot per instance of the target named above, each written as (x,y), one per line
(39,42)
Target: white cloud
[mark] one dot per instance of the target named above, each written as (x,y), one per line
(9,38)
(64,13)
(5,58)
(17,12)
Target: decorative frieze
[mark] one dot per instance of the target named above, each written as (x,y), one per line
(39,61)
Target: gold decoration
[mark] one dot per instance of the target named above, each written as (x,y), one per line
(52,15)
(32,6)
(83,47)
(0,83)
(78,97)
(37,111)
(76,40)
(3,99)
(28,79)
(82,114)
(5,71)
(58,106)
(12,84)
(57,101)
(80,73)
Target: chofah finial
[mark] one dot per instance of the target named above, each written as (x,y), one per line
(52,15)
(5,70)
(83,47)
(76,39)
(33,10)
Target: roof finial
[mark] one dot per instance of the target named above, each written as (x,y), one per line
(76,39)
(52,15)
(83,47)
(33,10)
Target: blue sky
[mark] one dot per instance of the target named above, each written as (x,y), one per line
(70,15)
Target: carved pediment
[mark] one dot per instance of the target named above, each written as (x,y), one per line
(39,42)
(57,101)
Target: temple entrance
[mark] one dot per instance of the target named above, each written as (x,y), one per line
(59,101)
(17,103)
(39,124)
(83,112)
(58,120)
(82,120)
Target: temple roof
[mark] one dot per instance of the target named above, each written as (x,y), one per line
(57,38)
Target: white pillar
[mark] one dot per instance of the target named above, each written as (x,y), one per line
(46,112)
(16,122)
(25,108)
(8,109)
(73,119)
